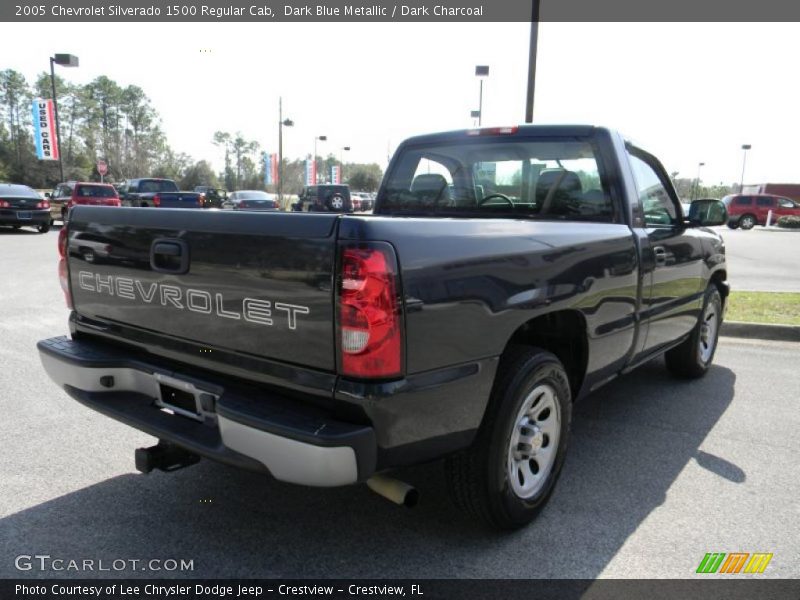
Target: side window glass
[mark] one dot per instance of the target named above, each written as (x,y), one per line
(764,201)
(659,209)
(785,203)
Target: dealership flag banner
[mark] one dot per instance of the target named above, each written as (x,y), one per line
(336,174)
(271,169)
(311,171)
(44,129)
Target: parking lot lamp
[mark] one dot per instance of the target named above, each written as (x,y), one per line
(65,60)
(696,185)
(321,138)
(281,124)
(745,148)
(481,71)
(341,159)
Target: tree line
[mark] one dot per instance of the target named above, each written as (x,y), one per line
(119,124)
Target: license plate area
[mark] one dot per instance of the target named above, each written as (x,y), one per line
(184,398)
(24,214)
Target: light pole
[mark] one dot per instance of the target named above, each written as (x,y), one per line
(321,138)
(696,181)
(281,124)
(65,60)
(341,160)
(532,60)
(481,71)
(745,147)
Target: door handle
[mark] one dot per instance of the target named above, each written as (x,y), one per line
(660,254)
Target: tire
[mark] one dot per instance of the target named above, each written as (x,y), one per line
(335,203)
(43,228)
(694,356)
(747,221)
(733,224)
(88,255)
(484,480)
(16,226)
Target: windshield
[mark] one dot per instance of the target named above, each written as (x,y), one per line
(551,179)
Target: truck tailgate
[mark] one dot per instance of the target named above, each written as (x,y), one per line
(248,282)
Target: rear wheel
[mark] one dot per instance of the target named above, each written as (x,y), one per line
(16,226)
(506,477)
(88,255)
(694,356)
(747,221)
(44,228)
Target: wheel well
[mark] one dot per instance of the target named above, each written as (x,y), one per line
(718,279)
(564,334)
(144,205)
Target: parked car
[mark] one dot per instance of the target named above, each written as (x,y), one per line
(59,198)
(155,192)
(324,198)
(748,210)
(92,194)
(253,200)
(361,201)
(505,274)
(214,197)
(22,206)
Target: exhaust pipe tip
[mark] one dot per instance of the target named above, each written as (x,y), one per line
(394,490)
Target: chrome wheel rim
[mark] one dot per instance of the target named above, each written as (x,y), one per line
(708,332)
(747,222)
(534,441)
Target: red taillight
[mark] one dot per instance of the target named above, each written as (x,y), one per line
(43,204)
(369,312)
(156,201)
(63,278)
(62,242)
(4,204)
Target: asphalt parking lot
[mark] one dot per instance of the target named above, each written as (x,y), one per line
(659,473)
(763,260)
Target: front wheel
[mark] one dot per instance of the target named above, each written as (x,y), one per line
(733,224)
(747,222)
(692,358)
(506,477)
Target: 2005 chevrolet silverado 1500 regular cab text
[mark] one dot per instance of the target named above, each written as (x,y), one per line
(505,273)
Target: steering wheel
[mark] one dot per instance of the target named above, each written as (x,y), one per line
(485,199)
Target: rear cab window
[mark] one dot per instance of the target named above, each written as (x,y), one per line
(498,176)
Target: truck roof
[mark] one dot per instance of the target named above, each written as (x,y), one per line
(538,130)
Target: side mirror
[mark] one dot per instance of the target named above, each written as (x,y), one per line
(707,213)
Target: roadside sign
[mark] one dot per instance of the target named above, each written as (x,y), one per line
(102,167)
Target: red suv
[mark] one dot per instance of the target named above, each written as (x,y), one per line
(747,210)
(96,194)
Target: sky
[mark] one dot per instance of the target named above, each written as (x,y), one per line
(686,92)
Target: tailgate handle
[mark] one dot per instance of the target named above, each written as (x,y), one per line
(167,249)
(169,256)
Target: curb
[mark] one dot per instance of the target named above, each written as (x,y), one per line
(763,331)
(777,229)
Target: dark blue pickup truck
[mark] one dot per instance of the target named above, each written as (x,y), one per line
(505,274)
(159,193)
